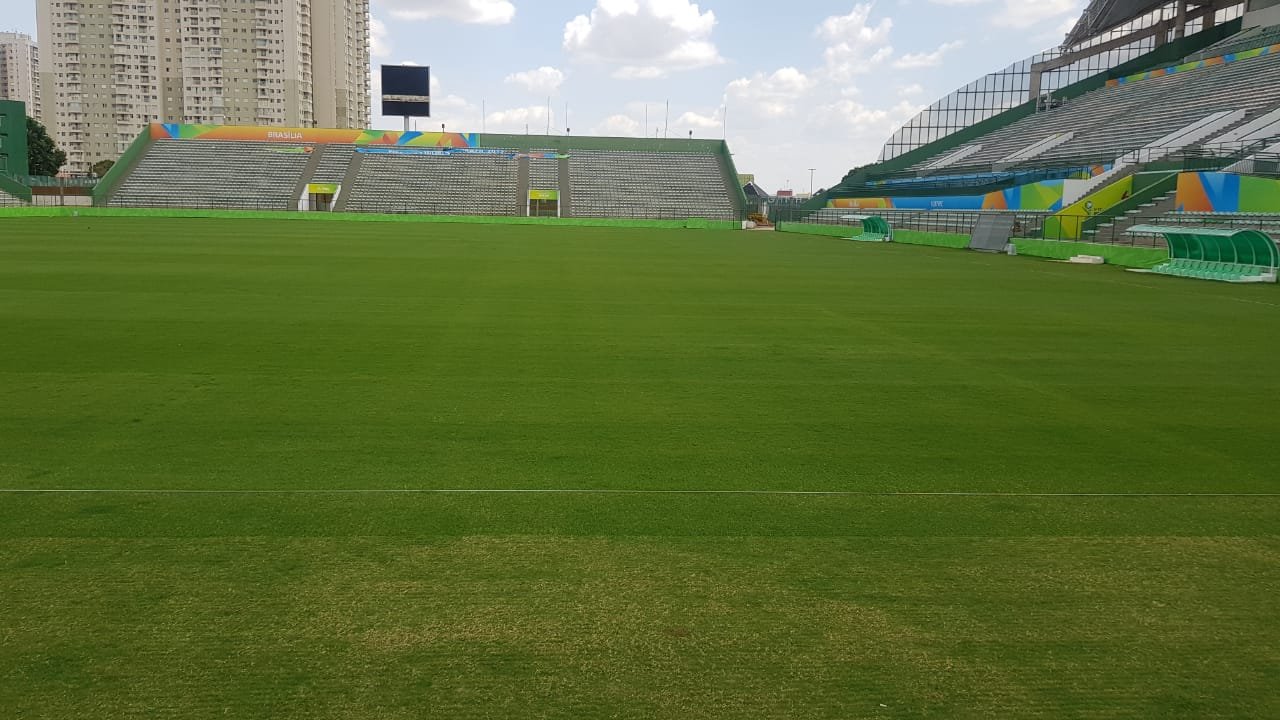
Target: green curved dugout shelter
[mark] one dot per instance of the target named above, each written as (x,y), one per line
(1216,253)
(874,228)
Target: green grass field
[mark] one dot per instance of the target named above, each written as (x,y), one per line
(1051,491)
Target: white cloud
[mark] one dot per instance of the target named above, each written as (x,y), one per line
(379,42)
(852,117)
(773,95)
(618,126)
(926,60)
(645,39)
(697,121)
(517,120)
(910,90)
(854,46)
(481,12)
(1021,14)
(543,81)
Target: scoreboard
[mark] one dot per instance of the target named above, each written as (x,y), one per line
(406,91)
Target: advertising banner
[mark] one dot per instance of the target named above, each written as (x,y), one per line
(313,136)
(1045,195)
(1227,193)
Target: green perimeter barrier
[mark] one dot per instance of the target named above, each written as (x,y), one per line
(836,231)
(1122,255)
(932,239)
(906,237)
(692,223)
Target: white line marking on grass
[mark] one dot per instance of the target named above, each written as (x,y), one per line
(588,491)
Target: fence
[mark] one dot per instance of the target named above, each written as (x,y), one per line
(1027,223)
(1031,225)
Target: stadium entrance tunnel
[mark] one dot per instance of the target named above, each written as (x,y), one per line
(1216,253)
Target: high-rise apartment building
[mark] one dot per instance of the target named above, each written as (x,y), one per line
(113,66)
(20,71)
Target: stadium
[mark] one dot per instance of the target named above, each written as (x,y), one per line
(359,423)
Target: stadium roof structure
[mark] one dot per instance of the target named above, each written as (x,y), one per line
(1105,14)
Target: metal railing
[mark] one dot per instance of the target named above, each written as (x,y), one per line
(34,181)
(1032,225)
(1027,223)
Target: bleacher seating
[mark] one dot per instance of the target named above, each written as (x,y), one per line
(1113,121)
(649,185)
(544,174)
(214,174)
(265,175)
(456,184)
(1249,39)
(334,161)
(7,200)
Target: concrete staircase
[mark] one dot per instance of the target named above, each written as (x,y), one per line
(1110,231)
(1129,163)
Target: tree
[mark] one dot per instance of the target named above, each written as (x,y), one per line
(44,157)
(102,167)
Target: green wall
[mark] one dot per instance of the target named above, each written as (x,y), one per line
(1122,255)
(13,138)
(838,231)
(690,224)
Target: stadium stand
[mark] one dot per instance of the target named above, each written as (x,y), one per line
(334,161)
(642,185)
(214,174)
(1245,40)
(544,174)
(607,178)
(1108,123)
(436,185)
(1146,111)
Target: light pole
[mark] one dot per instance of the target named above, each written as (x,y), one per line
(811,181)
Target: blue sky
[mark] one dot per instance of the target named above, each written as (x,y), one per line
(807,84)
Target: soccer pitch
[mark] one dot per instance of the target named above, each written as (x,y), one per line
(366,470)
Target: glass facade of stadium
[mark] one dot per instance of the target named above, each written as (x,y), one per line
(993,94)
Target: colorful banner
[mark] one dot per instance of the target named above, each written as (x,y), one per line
(1185,67)
(544,194)
(323,188)
(1045,195)
(1069,223)
(1227,193)
(315,136)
